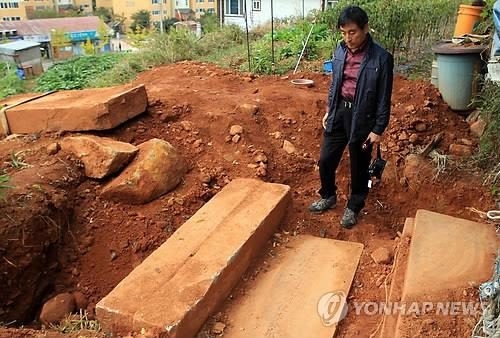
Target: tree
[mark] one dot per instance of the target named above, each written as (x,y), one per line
(141,20)
(88,47)
(167,24)
(58,38)
(209,22)
(104,13)
(104,34)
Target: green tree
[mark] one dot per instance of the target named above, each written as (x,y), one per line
(104,13)
(141,20)
(167,24)
(58,38)
(88,47)
(209,22)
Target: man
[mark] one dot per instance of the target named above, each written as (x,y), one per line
(359,103)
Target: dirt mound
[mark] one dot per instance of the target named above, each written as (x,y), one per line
(193,106)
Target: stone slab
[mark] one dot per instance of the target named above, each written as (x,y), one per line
(448,253)
(176,288)
(284,301)
(398,277)
(78,110)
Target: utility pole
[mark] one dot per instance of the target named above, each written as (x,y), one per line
(161,16)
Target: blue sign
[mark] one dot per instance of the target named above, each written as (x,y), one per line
(82,36)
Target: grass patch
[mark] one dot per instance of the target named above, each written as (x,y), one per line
(78,323)
(10,84)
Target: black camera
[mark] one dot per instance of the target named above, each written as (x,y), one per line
(377,166)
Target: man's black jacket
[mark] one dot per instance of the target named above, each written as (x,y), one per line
(372,102)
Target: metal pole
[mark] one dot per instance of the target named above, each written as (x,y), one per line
(272,35)
(303,10)
(248,39)
(161,16)
(304,48)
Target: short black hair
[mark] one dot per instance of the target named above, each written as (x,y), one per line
(353,14)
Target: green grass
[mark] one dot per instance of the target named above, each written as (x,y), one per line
(10,84)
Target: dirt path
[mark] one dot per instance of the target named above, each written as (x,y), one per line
(107,240)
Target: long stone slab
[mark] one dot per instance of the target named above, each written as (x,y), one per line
(448,252)
(78,110)
(284,301)
(446,256)
(398,278)
(179,285)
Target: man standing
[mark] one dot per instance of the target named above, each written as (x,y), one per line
(359,103)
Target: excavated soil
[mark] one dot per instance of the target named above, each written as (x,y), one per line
(192,106)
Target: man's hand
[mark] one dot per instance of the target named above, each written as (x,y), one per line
(373,138)
(324,120)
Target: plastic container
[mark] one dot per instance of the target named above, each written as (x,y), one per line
(435,74)
(458,69)
(468,16)
(328,66)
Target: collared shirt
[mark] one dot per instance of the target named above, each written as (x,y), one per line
(351,72)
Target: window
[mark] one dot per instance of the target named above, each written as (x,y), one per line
(15,18)
(6,18)
(156,12)
(210,0)
(256,5)
(331,3)
(211,10)
(234,7)
(200,10)
(154,2)
(200,1)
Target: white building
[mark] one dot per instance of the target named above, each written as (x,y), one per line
(259,11)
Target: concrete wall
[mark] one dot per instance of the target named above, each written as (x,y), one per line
(282,9)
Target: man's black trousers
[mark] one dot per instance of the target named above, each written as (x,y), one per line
(332,149)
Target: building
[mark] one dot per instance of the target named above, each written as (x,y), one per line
(155,7)
(18,10)
(259,11)
(25,54)
(76,30)
(201,7)
(85,6)
(180,9)
(104,3)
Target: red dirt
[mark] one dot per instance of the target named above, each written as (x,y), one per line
(107,240)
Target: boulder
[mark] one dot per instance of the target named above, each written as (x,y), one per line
(382,256)
(156,170)
(460,150)
(57,308)
(248,108)
(289,147)
(477,128)
(236,130)
(417,167)
(101,156)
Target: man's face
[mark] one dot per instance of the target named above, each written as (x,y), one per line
(353,36)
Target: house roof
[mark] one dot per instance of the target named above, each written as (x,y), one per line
(17,45)
(45,26)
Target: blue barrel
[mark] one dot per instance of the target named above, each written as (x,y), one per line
(328,66)
(458,68)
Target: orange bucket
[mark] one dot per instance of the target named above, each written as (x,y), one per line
(468,16)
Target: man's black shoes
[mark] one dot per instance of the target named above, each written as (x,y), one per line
(349,219)
(323,204)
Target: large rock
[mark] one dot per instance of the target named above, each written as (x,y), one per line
(477,128)
(57,308)
(101,156)
(460,150)
(156,170)
(418,168)
(79,110)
